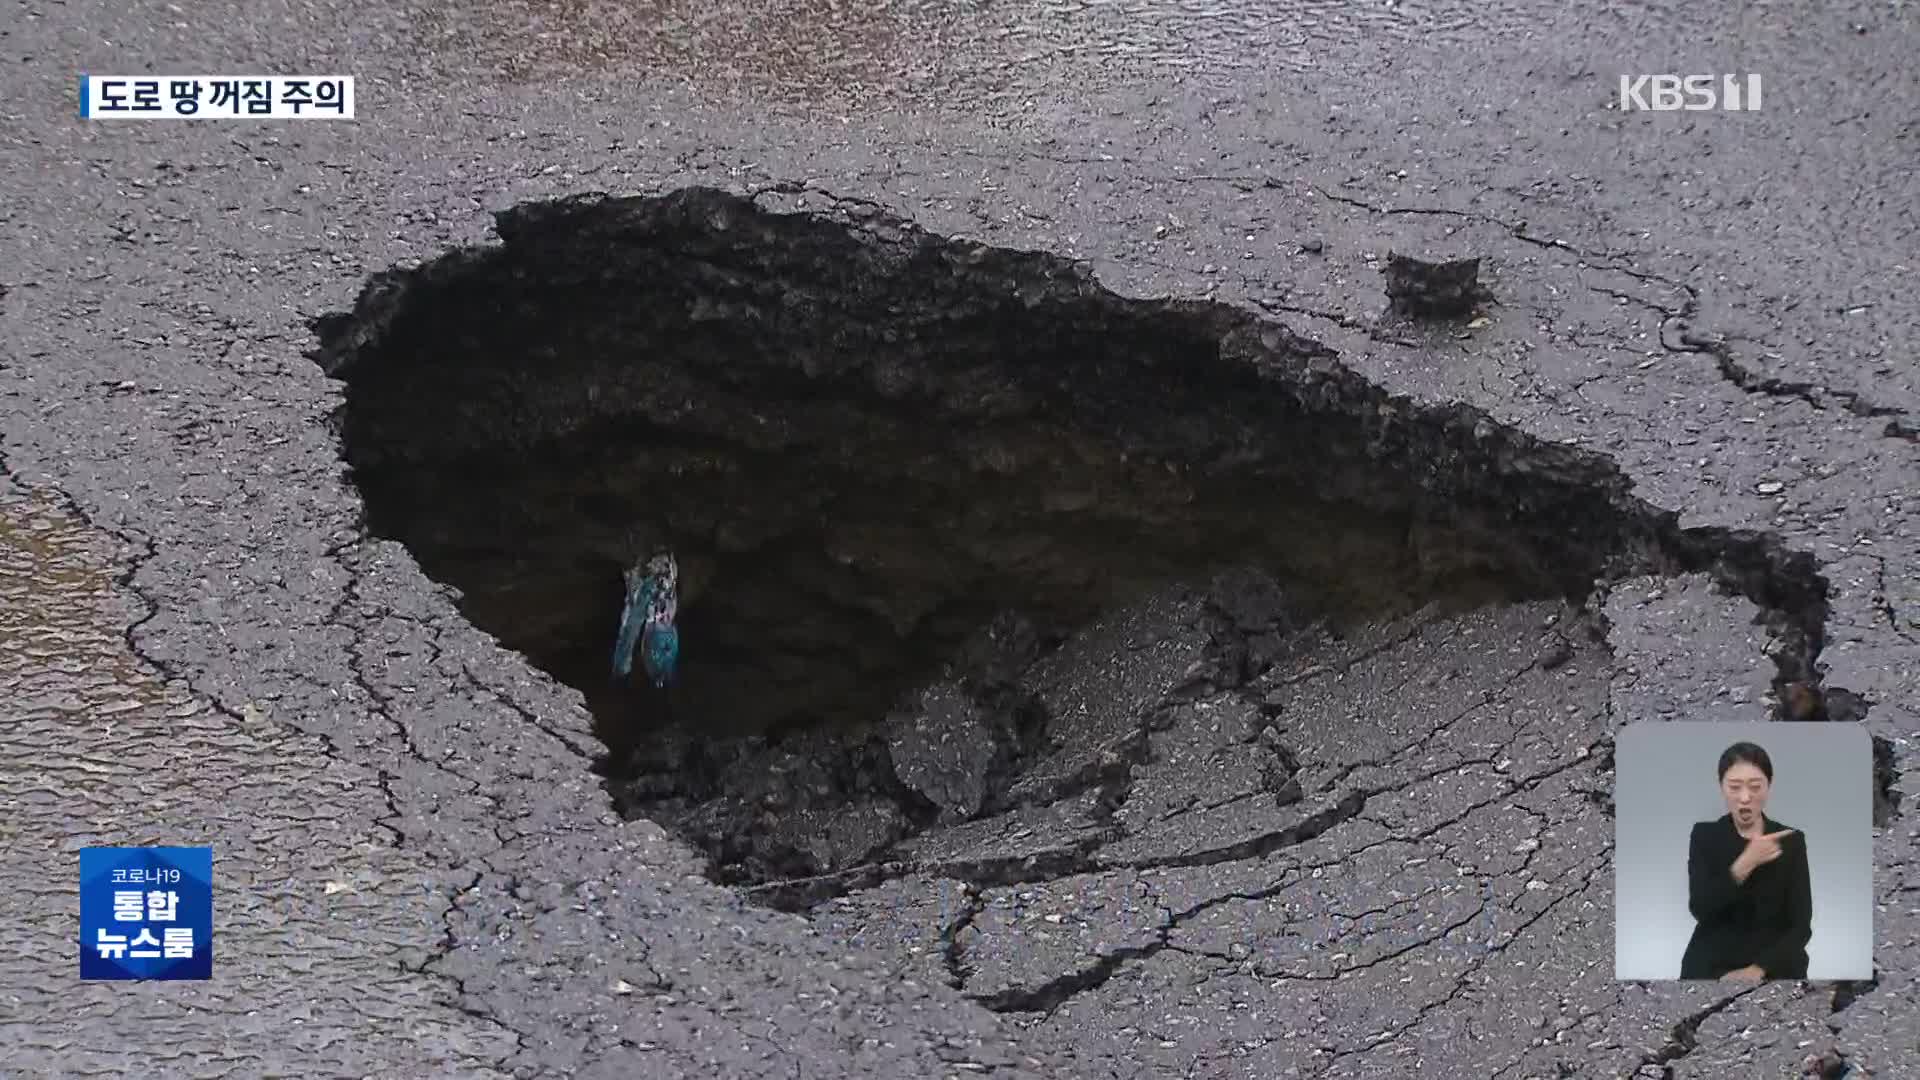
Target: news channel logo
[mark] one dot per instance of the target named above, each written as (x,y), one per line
(146,913)
(1689,93)
(216,97)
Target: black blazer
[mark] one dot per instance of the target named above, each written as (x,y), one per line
(1765,920)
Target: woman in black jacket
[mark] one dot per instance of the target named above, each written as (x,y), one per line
(1748,884)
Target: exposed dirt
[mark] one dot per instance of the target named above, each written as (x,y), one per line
(900,471)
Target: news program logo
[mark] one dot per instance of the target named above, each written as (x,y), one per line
(216,97)
(146,913)
(1692,93)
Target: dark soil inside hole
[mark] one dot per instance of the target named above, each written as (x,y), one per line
(897,470)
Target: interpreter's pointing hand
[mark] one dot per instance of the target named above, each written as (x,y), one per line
(1764,848)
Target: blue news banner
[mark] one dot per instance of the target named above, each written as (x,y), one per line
(146,913)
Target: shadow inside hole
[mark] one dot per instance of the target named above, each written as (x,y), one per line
(862,449)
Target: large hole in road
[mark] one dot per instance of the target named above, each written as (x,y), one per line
(896,470)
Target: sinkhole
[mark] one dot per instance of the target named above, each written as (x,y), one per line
(884,458)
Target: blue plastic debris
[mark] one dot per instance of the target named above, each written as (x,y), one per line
(646,621)
(660,651)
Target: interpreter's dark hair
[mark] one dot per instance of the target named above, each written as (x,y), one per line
(1749,753)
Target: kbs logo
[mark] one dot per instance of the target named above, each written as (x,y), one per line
(1694,93)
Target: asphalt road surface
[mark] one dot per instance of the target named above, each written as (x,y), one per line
(418,874)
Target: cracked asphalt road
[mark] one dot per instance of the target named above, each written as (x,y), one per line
(417,874)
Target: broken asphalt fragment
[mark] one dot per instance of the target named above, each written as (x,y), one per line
(1446,289)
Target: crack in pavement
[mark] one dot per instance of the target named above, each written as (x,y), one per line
(1481,699)
(1051,994)
(1741,377)
(1465,977)
(1744,378)
(1882,599)
(1517,230)
(1343,810)
(951,950)
(385,778)
(531,718)
(1441,934)
(380,703)
(1729,368)
(1112,771)
(429,967)
(147,551)
(1526,783)
(1084,857)
(1373,330)
(1684,1038)
(126,582)
(1563,1071)
(1048,996)
(1079,857)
